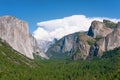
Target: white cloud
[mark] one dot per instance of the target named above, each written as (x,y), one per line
(41,33)
(57,28)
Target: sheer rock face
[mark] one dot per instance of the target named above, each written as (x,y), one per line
(99,29)
(108,42)
(111,41)
(74,45)
(16,33)
(36,48)
(102,36)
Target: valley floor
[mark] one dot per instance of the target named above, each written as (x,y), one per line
(14,66)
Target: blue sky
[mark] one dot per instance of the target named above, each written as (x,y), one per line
(34,11)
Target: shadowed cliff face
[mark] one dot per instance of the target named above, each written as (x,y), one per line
(75,45)
(111,41)
(99,29)
(16,33)
(109,38)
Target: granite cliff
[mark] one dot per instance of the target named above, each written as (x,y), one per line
(101,37)
(16,33)
(99,29)
(110,41)
(75,45)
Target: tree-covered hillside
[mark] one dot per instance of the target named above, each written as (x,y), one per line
(14,66)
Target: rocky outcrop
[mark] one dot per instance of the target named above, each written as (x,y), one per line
(101,37)
(75,45)
(99,29)
(108,42)
(36,49)
(111,41)
(109,24)
(16,33)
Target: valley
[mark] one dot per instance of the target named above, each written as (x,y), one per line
(59,40)
(14,66)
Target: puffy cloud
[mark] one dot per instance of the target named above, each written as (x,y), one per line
(57,28)
(41,34)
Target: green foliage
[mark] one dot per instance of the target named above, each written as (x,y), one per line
(14,66)
(109,24)
(98,38)
(91,42)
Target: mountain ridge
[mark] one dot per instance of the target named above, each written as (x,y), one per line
(98,33)
(17,66)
